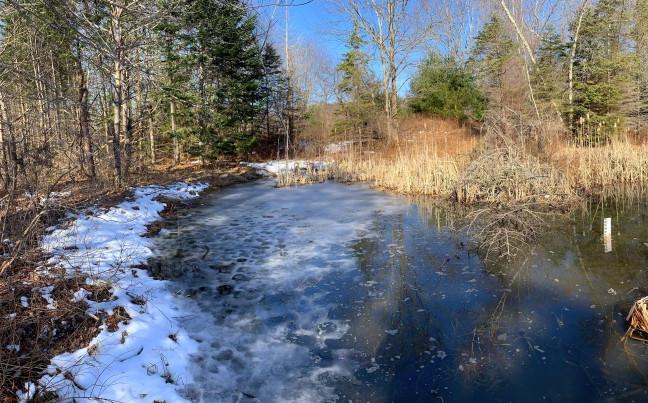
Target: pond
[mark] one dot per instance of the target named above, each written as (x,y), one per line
(333,292)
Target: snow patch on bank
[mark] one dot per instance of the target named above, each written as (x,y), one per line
(339,147)
(277,166)
(146,359)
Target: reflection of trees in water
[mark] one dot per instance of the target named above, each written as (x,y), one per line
(384,260)
(629,232)
(624,268)
(580,343)
(576,248)
(394,319)
(605,282)
(498,232)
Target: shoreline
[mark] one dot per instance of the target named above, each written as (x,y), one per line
(103,309)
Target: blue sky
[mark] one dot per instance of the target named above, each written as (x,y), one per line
(315,22)
(318,24)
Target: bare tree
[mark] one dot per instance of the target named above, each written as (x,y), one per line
(395,29)
(458,22)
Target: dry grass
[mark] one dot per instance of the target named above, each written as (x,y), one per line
(428,161)
(441,159)
(36,332)
(595,170)
(302,176)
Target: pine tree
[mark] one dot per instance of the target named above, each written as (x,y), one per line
(490,59)
(441,87)
(226,58)
(548,78)
(175,92)
(273,92)
(358,89)
(603,72)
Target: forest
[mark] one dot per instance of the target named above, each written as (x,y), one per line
(511,114)
(98,91)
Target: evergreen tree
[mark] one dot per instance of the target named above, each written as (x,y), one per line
(442,87)
(175,92)
(226,58)
(603,72)
(490,59)
(548,78)
(273,92)
(358,89)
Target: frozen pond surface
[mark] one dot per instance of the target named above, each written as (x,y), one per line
(339,293)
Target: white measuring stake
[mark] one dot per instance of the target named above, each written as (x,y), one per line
(607,235)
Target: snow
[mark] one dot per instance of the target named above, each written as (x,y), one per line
(139,362)
(46,293)
(276,166)
(52,197)
(24,301)
(80,295)
(27,393)
(338,147)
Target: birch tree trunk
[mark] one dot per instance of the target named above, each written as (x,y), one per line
(151,133)
(117,11)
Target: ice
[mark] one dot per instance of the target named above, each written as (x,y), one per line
(270,334)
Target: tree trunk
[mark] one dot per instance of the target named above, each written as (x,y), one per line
(151,134)
(393,73)
(116,132)
(126,123)
(8,140)
(118,91)
(176,143)
(267,105)
(87,153)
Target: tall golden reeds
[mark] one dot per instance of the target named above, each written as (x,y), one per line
(423,162)
(593,170)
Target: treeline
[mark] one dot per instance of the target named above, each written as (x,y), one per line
(99,89)
(577,68)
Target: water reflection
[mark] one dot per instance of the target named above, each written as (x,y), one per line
(402,302)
